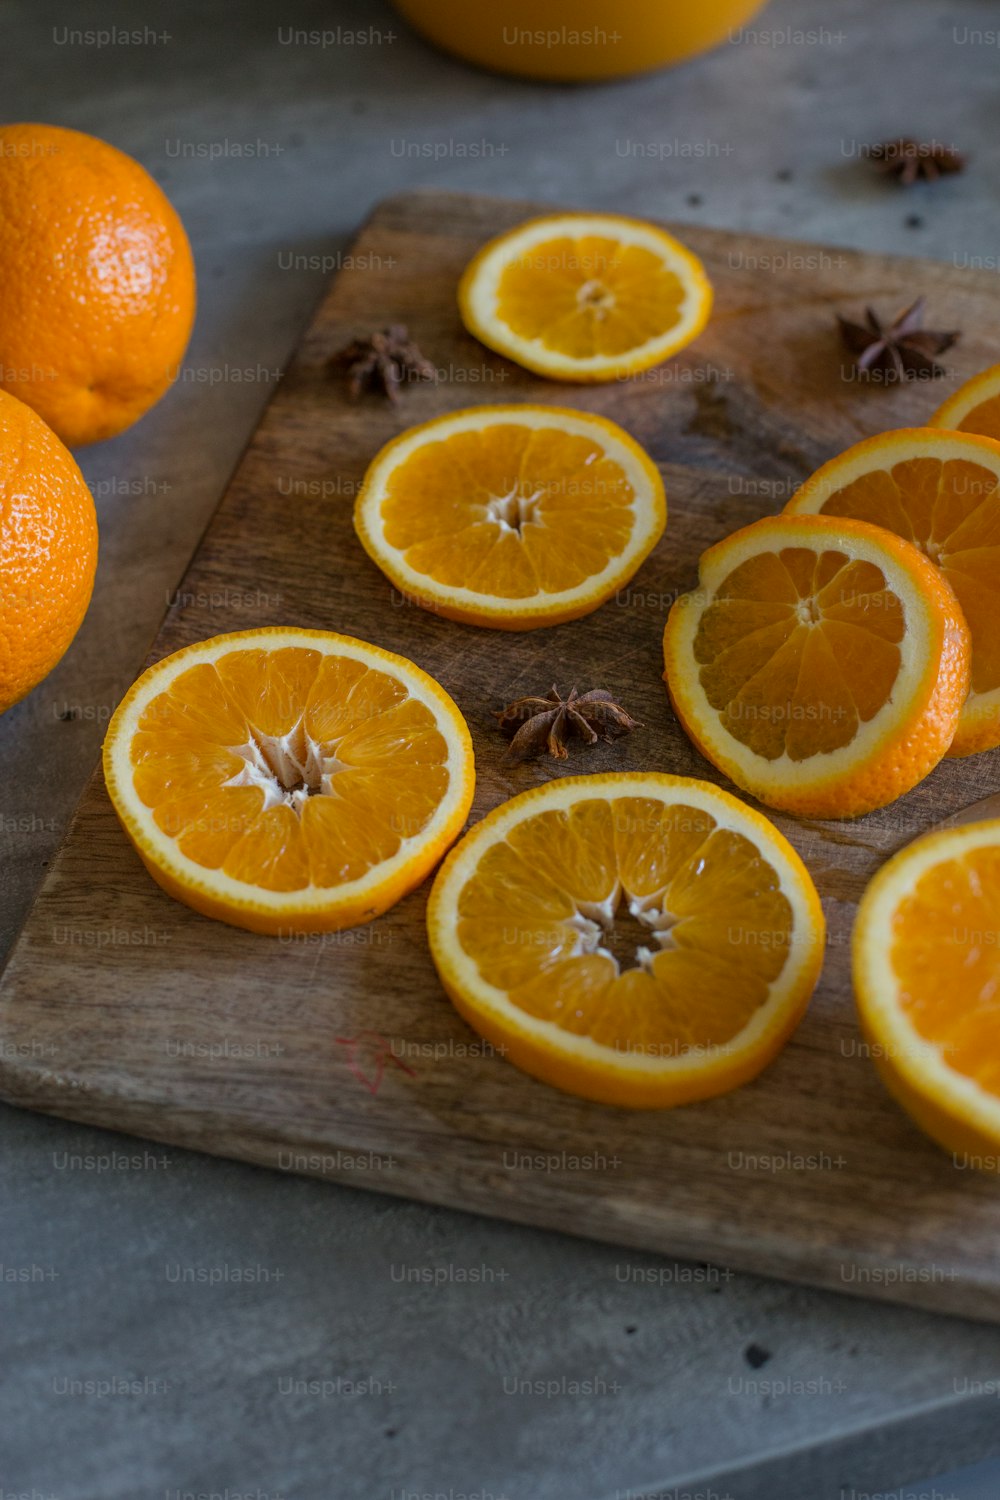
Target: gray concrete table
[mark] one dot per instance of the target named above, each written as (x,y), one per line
(175,1324)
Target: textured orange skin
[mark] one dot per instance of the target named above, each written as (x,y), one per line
(97,287)
(48,549)
(918,745)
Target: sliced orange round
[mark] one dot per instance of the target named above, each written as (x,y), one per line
(821,664)
(585,297)
(941,491)
(288,780)
(975,406)
(511,516)
(926,976)
(640,939)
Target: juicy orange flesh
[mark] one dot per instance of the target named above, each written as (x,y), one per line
(950,509)
(386,766)
(946,956)
(727,921)
(984,418)
(589,295)
(509,510)
(798,649)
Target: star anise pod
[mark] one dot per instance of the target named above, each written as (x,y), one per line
(381,361)
(547,723)
(915,161)
(900,350)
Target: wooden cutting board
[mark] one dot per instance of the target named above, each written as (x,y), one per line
(340,1056)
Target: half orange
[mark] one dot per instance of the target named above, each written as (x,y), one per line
(821,664)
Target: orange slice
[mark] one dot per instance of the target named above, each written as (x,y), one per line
(975,406)
(527,914)
(511,516)
(941,491)
(288,780)
(585,296)
(821,664)
(927,978)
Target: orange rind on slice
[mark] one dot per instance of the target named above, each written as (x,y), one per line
(974,407)
(585,297)
(725,947)
(511,516)
(288,780)
(926,954)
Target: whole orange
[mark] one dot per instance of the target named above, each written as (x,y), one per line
(48,549)
(97,288)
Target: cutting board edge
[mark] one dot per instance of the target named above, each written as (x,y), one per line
(975,1300)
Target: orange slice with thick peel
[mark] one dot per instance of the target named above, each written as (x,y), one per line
(927,980)
(288,780)
(639,939)
(511,516)
(941,491)
(585,297)
(975,406)
(821,664)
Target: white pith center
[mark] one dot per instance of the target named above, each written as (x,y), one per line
(514,510)
(596,298)
(808,612)
(288,768)
(595,921)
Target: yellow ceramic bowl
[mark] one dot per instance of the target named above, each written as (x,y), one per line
(597,39)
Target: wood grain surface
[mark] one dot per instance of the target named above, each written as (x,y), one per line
(340,1056)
